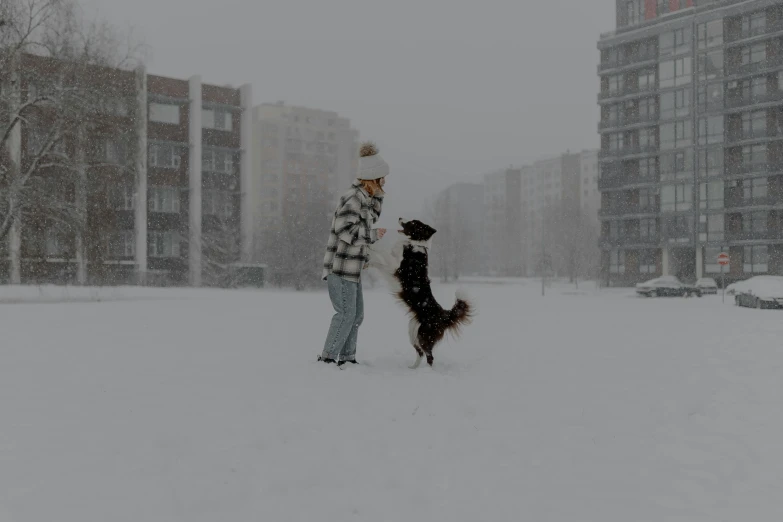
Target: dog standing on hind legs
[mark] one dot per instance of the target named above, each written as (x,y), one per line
(406,268)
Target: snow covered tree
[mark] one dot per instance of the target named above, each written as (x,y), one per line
(49,107)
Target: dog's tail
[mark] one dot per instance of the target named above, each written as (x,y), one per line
(460,314)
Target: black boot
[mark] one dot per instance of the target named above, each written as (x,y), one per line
(327,360)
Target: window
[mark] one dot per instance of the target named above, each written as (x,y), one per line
(755,259)
(711,130)
(57,244)
(216,119)
(711,162)
(758,87)
(647,80)
(164,113)
(754,124)
(164,199)
(711,65)
(164,244)
(648,262)
(676,72)
(616,261)
(710,34)
(682,39)
(121,244)
(615,141)
(121,197)
(675,135)
(633,12)
(676,165)
(648,109)
(715,227)
(648,228)
(114,106)
(616,84)
(754,24)
(754,189)
(646,200)
(710,96)
(675,104)
(648,137)
(217,203)
(754,54)
(648,169)
(164,156)
(754,156)
(754,223)
(711,195)
(217,161)
(114,152)
(677,198)
(614,230)
(610,113)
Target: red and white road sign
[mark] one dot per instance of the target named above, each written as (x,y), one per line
(723,259)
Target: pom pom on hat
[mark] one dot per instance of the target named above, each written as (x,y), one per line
(368,148)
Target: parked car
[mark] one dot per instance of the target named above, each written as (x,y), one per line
(666,286)
(759,292)
(707,285)
(741,286)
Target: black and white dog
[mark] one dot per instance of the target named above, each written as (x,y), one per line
(405,268)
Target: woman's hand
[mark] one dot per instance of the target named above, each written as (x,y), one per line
(381,232)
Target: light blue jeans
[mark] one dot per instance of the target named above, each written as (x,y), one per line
(348,304)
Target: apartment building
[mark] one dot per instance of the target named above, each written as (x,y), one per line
(163,168)
(691,160)
(300,155)
(501,238)
(560,201)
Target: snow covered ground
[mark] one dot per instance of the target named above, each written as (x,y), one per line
(197,405)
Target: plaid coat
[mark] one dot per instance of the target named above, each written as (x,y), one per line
(346,250)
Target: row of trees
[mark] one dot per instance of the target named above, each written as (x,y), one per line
(50,54)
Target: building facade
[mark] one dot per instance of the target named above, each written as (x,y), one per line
(459,218)
(691,160)
(299,154)
(501,238)
(560,201)
(163,168)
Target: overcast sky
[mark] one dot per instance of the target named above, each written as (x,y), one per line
(448,89)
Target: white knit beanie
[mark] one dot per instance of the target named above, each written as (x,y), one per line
(371,165)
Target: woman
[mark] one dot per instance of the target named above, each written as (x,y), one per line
(346,254)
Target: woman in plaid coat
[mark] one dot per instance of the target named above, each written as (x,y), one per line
(346,254)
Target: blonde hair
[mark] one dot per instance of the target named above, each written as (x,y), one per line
(372,186)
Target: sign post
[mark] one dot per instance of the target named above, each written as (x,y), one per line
(723,260)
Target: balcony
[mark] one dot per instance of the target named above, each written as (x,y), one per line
(742,202)
(753,68)
(752,32)
(740,135)
(628,210)
(627,121)
(628,90)
(630,239)
(754,235)
(754,168)
(610,182)
(735,102)
(628,151)
(633,60)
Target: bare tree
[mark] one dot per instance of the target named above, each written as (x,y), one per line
(568,243)
(50,54)
(294,250)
